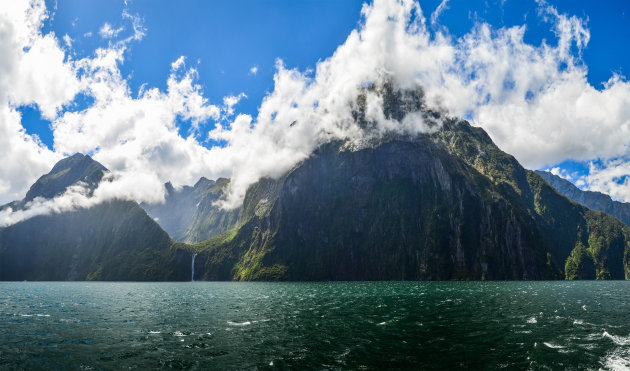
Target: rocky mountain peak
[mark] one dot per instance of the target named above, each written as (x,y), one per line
(66,172)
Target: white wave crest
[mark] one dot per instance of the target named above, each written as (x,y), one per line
(619,340)
(553,346)
(617,361)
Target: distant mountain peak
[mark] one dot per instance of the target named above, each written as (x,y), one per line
(203,180)
(191,214)
(66,172)
(593,200)
(78,159)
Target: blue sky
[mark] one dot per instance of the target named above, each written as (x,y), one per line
(225,39)
(222,39)
(171,91)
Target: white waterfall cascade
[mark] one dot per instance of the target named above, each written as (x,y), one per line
(192,273)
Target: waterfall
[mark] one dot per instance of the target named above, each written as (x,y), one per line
(192,273)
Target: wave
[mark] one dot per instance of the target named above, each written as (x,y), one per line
(619,340)
(617,360)
(553,346)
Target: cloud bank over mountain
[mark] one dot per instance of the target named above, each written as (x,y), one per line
(534,101)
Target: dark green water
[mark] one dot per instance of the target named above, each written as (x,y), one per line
(365,325)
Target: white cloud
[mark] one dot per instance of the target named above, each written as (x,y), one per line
(32,72)
(534,101)
(75,197)
(68,41)
(108,32)
(137,24)
(230,101)
(442,7)
(187,96)
(36,71)
(253,70)
(137,138)
(562,173)
(612,177)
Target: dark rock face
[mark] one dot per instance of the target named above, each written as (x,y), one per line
(115,240)
(190,214)
(403,210)
(443,206)
(592,200)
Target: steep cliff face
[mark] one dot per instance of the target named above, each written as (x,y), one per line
(403,210)
(115,240)
(592,200)
(438,206)
(190,214)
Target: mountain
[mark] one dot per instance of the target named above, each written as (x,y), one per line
(114,240)
(592,200)
(190,213)
(70,170)
(66,173)
(444,205)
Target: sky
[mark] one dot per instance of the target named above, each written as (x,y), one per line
(171,91)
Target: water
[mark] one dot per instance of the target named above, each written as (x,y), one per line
(363,325)
(192,268)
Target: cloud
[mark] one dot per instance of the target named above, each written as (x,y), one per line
(137,24)
(230,101)
(33,72)
(611,177)
(534,101)
(253,70)
(75,197)
(137,138)
(108,32)
(442,7)
(187,97)
(68,41)
(562,173)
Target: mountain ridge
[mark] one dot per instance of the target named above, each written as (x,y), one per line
(442,203)
(191,214)
(591,199)
(114,240)
(458,208)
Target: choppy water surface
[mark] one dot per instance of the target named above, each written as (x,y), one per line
(365,325)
